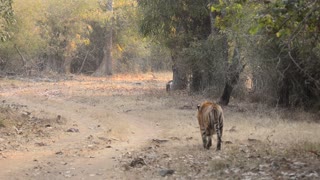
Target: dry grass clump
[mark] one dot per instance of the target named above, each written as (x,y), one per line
(218,164)
(7,117)
(269,127)
(1,123)
(21,127)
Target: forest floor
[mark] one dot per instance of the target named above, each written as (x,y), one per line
(128,127)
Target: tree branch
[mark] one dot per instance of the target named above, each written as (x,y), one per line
(305,73)
(84,60)
(22,58)
(297,30)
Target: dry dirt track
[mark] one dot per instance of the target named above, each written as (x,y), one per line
(100,108)
(128,127)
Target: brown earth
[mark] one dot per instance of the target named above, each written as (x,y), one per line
(128,127)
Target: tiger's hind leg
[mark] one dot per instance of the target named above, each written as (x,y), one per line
(209,143)
(219,135)
(204,139)
(219,145)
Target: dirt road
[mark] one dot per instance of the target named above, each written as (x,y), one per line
(128,127)
(98,114)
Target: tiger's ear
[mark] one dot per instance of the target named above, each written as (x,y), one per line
(198,107)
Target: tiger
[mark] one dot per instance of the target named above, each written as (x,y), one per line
(210,117)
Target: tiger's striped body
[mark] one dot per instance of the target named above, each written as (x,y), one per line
(210,118)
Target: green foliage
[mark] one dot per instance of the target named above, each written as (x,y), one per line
(26,32)
(175,24)
(227,13)
(6,18)
(206,57)
(280,42)
(285,19)
(294,28)
(160,58)
(47,33)
(63,28)
(278,39)
(130,49)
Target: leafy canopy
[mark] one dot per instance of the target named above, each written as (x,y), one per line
(6,18)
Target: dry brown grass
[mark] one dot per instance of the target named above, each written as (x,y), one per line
(8,117)
(259,141)
(159,77)
(1,123)
(271,126)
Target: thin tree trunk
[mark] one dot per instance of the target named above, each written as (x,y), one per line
(235,68)
(53,63)
(233,75)
(26,68)
(105,68)
(22,57)
(83,62)
(225,98)
(284,93)
(196,80)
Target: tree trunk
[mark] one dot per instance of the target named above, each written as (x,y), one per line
(53,62)
(67,64)
(196,80)
(179,76)
(232,78)
(105,68)
(284,93)
(225,98)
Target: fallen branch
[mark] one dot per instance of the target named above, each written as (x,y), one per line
(20,54)
(84,60)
